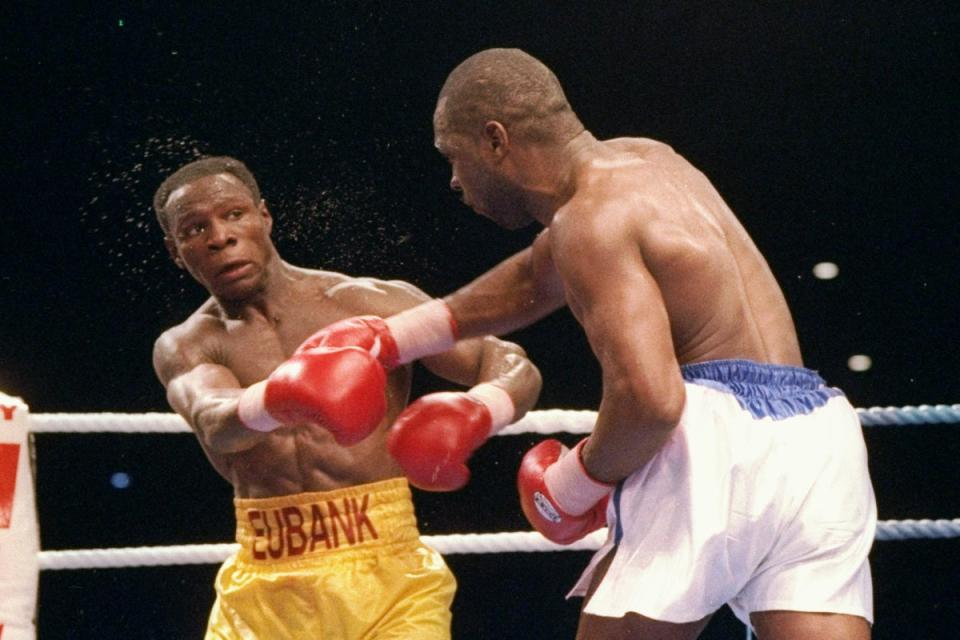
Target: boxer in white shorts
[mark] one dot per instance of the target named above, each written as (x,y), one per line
(744,505)
(646,255)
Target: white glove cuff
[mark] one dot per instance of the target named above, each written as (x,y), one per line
(424,330)
(252,411)
(497,401)
(571,486)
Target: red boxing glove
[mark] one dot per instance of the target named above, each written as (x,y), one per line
(369,333)
(557,494)
(434,437)
(341,390)
(424,330)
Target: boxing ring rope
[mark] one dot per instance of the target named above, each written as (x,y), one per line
(505,542)
(542,422)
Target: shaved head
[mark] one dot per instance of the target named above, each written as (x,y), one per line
(511,87)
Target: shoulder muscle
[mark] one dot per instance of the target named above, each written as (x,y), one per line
(370,296)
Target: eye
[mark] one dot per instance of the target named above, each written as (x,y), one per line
(235,214)
(192,230)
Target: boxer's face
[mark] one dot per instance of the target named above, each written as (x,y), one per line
(477,176)
(220,235)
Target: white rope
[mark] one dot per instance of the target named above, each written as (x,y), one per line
(909,415)
(544,421)
(912,529)
(511,541)
(135,556)
(108,423)
(505,542)
(553,421)
(516,541)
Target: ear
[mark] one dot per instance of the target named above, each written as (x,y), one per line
(267,216)
(496,138)
(171,246)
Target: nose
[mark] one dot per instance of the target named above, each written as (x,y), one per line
(220,236)
(455,184)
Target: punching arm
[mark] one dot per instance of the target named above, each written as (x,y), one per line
(514,294)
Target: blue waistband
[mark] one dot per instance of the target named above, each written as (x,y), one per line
(765,390)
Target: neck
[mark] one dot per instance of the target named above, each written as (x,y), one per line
(271,296)
(553,178)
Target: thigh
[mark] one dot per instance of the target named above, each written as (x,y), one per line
(802,625)
(637,627)
(632,625)
(417,591)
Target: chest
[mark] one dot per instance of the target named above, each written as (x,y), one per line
(252,349)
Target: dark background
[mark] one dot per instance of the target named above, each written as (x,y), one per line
(830,128)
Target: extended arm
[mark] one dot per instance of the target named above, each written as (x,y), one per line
(514,294)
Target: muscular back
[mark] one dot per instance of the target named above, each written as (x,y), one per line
(295,458)
(721,299)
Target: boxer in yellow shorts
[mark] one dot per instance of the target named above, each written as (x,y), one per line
(329,547)
(347,563)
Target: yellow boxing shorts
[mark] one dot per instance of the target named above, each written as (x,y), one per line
(334,565)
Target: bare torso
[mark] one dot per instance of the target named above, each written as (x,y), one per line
(297,458)
(721,298)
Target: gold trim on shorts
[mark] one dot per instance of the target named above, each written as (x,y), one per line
(362,518)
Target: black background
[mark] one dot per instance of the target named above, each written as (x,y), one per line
(830,128)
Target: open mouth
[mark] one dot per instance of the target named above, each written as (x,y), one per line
(235,269)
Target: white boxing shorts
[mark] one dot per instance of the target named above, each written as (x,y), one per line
(761,500)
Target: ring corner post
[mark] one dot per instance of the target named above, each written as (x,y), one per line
(19,530)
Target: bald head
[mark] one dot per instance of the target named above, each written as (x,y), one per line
(511,87)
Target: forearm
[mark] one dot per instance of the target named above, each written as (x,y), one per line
(505,364)
(212,414)
(218,422)
(630,431)
(506,298)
